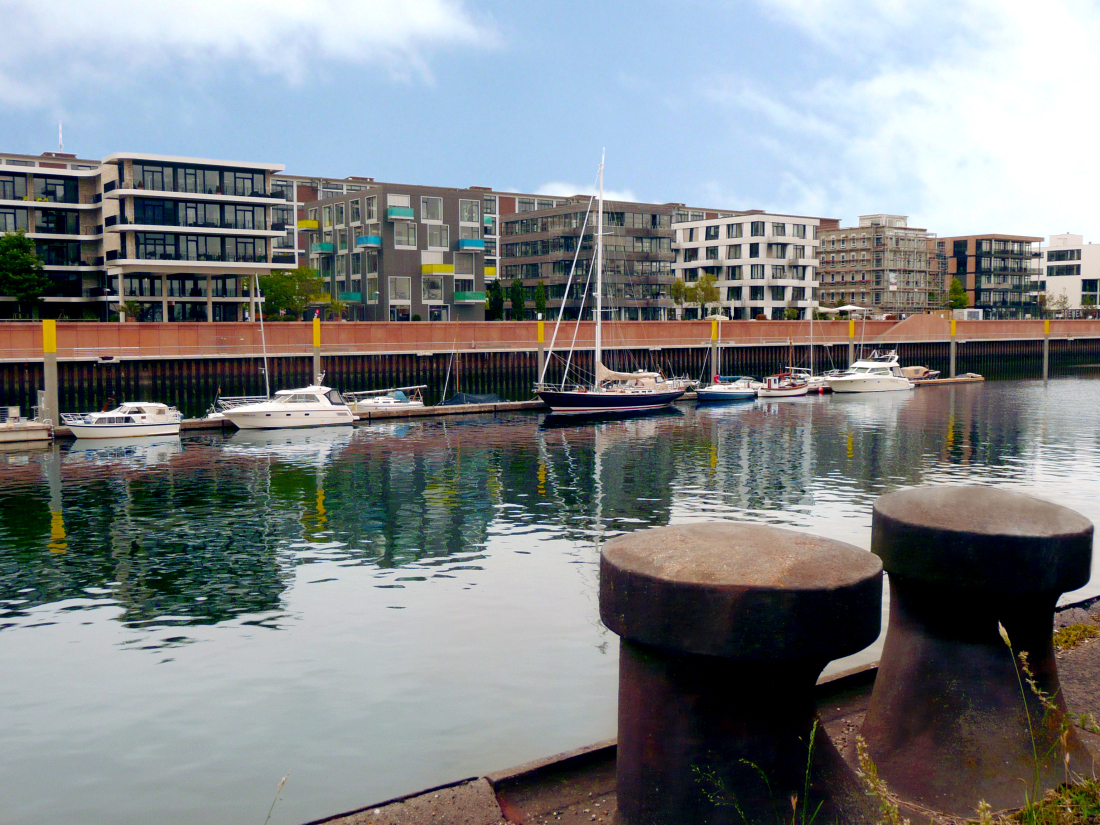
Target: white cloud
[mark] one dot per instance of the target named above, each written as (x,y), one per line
(48,47)
(560,189)
(994,133)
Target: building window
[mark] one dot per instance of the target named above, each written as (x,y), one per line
(1064,269)
(357,263)
(757,273)
(754,250)
(798,230)
(464,263)
(12,220)
(469,233)
(13,187)
(712,233)
(489,205)
(371,206)
(431,209)
(691,255)
(779,230)
(400,288)
(712,253)
(431,288)
(439,236)
(779,271)
(402,201)
(733,293)
(756,293)
(733,251)
(356,214)
(778,293)
(372,290)
(404,234)
(399,313)
(469,211)
(327,212)
(1064,255)
(339,207)
(733,230)
(525,205)
(757,229)
(734,273)
(343,236)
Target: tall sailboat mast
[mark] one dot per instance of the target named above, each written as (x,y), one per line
(599,276)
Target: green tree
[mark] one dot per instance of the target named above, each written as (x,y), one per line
(336,308)
(21,273)
(704,292)
(956,296)
(540,299)
(791,314)
(132,310)
(291,290)
(494,301)
(517,295)
(679,292)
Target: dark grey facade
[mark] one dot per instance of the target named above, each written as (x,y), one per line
(541,245)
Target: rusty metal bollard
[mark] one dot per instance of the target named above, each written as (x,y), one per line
(724,631)
(947,725)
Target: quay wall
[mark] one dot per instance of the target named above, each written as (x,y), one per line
(187,364)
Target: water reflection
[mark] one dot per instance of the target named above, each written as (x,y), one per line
(211,531)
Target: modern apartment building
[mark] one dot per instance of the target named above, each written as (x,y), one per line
(1069,275)
(396,252)
(182,237)
(883,264)
(999,272)
(540,245)
(764,264)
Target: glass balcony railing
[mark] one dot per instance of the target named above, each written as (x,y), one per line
(369,241)
(461,297)
(471,245)
(322,247)
(399,213)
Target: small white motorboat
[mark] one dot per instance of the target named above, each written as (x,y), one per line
(312,406)
(397,398)
(784,385)
(136,418)
(728,388)
(881,372)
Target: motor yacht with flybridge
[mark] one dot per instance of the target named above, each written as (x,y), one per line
(312,406)
(880,372)
(136,418)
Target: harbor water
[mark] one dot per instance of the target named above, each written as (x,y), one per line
(384,609)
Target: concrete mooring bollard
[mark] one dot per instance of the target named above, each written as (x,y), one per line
(724,631)
(947,725)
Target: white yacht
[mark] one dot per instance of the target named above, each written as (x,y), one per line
(881,372)
(397,398)
(136,418)
(312,406)
(729,388)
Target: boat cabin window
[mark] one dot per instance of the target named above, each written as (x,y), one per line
(335,397)
(132,410)
(299,398)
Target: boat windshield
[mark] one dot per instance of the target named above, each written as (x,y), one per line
(299,398)
(334,397)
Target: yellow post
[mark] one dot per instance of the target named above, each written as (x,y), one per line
(542,347)
(953,322)
(47,408)
(316,349)
(714,365)
(1046,326)
(952,349)
(851,328)
(851,341)
(714,329)
(1046,348)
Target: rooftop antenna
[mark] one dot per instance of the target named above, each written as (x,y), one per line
(60,138)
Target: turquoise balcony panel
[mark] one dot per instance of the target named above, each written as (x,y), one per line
(369,241)
(354,297)
(471,245)
(399,213)
(322,247)
(469,296)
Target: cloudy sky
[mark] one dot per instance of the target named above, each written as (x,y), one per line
(969,116)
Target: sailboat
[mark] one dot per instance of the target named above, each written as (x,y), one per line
(611,392)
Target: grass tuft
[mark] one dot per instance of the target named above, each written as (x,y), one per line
(1070,637)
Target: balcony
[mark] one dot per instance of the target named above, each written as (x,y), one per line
(308,224)
(469,297)
(399,213)
(284,258)
(355,297)
(322,247)
(487,220)
(471,245)
(369,241)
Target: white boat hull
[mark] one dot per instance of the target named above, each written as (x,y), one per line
(15,433)
(123,430)
(783,392)
(869,383)
(283,418)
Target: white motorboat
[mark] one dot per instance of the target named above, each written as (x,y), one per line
(815,383)
(397,398)
(878,373)
(728,388)
(136,418)
(784,385)
(312,406)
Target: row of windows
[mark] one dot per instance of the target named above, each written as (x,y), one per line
(145,285)
(733,251)
(757,272)
(1064,255)
(614,246)
(613,267)
(154,246)
(896,241)
(166,177)
(776,293)
(1064,269)
(57,190)
(575,220)
(757,229)
(197,213)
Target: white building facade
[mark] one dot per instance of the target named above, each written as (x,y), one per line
(1069,274)
(763,264)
